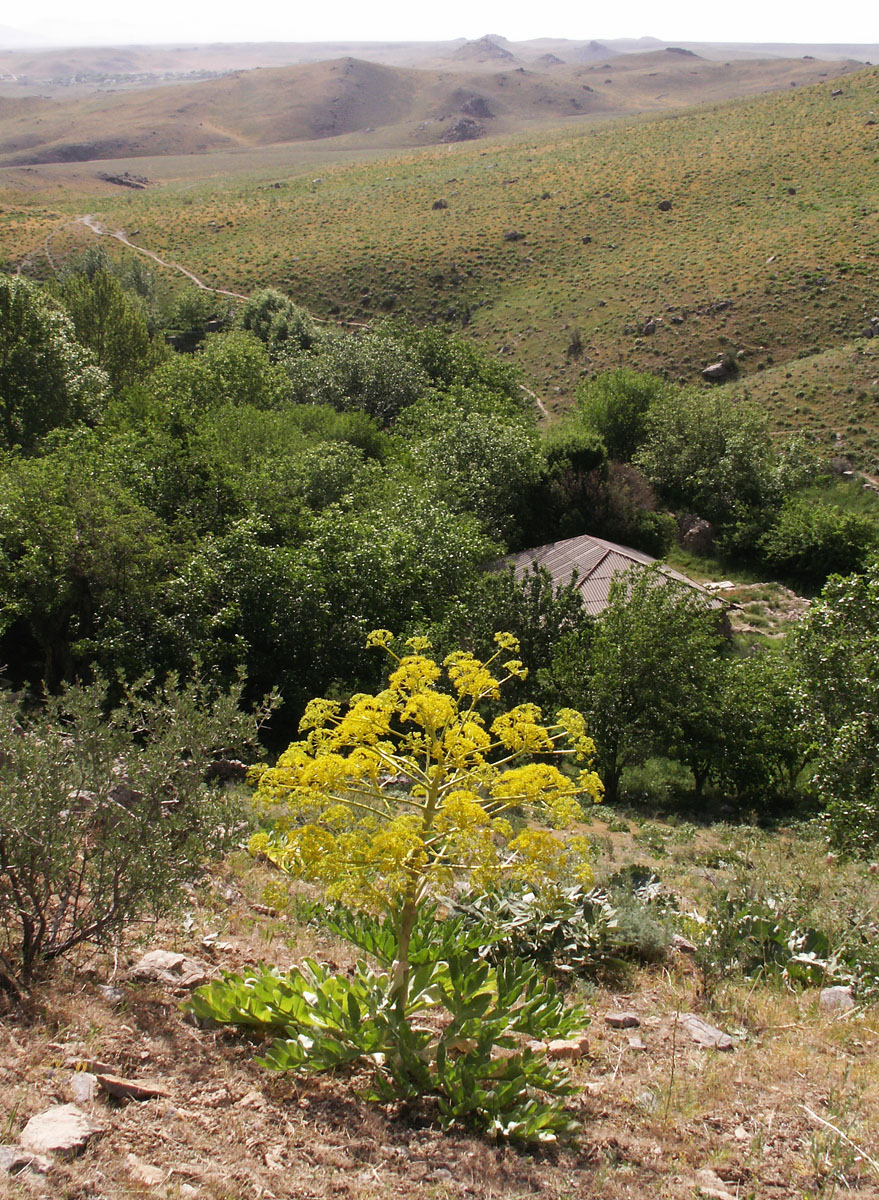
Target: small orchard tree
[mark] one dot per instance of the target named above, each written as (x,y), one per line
(386,802)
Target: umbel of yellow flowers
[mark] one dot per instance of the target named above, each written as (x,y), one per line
(390,799)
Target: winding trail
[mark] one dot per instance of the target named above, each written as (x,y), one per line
(543,409)
(97,227)
(100,230)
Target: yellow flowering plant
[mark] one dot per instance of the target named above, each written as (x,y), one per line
(391,798)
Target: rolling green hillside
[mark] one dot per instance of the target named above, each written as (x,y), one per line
(769,249)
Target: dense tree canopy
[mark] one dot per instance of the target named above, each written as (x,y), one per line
(47,378)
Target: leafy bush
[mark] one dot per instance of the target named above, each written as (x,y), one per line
(755,933)
(836,651)
(615,403)
(278,322)
(47,379)
(323,1021)
(368,372)
(104,812)
(707,456)
(813,540)
(572,930)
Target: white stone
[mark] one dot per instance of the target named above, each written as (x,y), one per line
(63,1129)
(144,1173)
(836,999)
(176,970)
(705,1035)
(84,1087)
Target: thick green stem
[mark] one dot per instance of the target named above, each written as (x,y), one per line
(409,912)
(400,969)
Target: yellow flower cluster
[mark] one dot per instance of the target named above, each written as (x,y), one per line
(394,795)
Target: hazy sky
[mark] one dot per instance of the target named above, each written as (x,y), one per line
(87,21)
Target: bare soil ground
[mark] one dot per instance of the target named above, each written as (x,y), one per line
(661,1117)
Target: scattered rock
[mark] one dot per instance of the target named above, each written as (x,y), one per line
(708,1183)
(126,179)
(705,1035)
(464,130)
(716,372)
(571,1049)
(175,970)
(841,465)
(664,206)
(514,235)
(621,1020)
(131,1089)
(62,1129)
(836,999)
(696,534)
(648,327)
(84,1087)
(112,995)
(647,1101)
(144,1173)
(586,239)
(13,1160)
(636,1043)
(477,106)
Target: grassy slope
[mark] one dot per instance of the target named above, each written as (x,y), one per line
(774,216)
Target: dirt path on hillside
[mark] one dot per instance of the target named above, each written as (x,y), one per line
(544,411)
(101,230)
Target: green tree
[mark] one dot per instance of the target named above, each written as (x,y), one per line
(369,371)
(709,456)
(651,678)
(836,648)
(614,404)
(112,325)
(278,322)
(764,747)
(474,461)
(47,379)
(228,368)
(812,540)
(83,564)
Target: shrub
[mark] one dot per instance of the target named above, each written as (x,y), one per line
(614,404)
(836,649)
(104,813)
(572,930)
(814,540)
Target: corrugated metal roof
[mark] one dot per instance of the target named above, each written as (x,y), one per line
(596,562)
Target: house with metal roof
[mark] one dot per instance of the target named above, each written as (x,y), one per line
(595,563)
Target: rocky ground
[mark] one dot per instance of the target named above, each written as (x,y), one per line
(784,1105)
